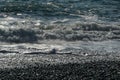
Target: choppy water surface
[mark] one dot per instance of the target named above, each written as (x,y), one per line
(97,22)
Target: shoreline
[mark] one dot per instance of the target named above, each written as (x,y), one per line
(59,67)
(86,68)
(22,60)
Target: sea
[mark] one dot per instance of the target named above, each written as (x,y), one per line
(67,25)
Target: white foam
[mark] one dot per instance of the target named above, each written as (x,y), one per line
(10,18)
(90,18)
(4,23)
(1,26)
(18,14)
(37,24)
(60,21)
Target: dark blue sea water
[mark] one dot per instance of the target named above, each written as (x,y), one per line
(103,9)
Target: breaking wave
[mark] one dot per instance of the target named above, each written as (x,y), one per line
(83,32)
(70,20)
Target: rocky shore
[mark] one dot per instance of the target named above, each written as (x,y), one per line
(59,67)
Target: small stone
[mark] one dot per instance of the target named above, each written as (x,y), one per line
(53,51)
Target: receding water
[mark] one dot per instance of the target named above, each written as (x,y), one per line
(104,47)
